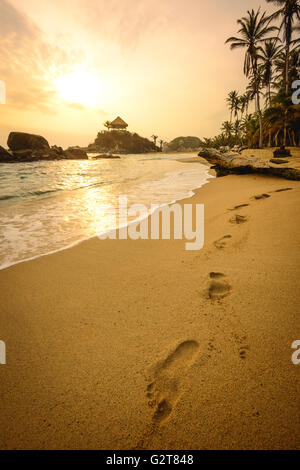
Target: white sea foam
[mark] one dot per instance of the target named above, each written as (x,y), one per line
(56,205)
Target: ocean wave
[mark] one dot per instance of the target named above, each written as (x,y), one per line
(33,225)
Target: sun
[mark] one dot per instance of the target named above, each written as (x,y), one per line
(79,86)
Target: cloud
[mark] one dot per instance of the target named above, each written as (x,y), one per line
(28,63)
(123,22)
(14,25)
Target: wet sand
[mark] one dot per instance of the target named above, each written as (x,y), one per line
(142,344)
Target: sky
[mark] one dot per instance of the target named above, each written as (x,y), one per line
(162,65)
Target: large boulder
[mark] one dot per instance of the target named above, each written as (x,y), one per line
(21,140)
(5,156)
(75,153)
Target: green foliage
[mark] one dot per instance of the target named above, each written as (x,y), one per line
(271,64)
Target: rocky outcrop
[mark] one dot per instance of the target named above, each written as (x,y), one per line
(21,140)
(75,153)
(30,147)
(122,142)
(5,156)
(233,162)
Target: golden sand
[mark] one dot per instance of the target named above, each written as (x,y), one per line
(142,344)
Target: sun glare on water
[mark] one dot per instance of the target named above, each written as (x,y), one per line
(80,87)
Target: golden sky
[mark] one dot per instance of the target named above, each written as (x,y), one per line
(70,65)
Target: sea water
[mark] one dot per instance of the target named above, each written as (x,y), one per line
(49,206)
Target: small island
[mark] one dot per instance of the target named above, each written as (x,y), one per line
(117,140)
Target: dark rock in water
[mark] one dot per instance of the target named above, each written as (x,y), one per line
(105,155)
(21,140)
(57,150)
(75,153)
(28,155)
(48,154)
(282,152)
(278,161)
(22,155)
(5,156)
(30,147)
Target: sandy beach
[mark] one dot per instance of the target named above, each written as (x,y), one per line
(144,345)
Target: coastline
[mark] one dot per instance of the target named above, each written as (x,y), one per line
(98,333)
(208,174)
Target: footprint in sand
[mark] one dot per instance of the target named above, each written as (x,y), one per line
(243,351)
(218,287)
(238,219)
(261,196)
(164,390)
(221,243)
(239,207)
(283,189)
(243,346)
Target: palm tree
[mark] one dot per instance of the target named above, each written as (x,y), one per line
(237,130)
(253,31)
(252,131)
(289,12)
(227,128)
(248,98)
(283,118)
(161,143)
(237,107)
(251,92)
(294,67)
(244,102)
(154,137)
(231,100)
(269,53)
(107,124)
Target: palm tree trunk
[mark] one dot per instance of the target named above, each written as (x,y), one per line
(270,132)
(254,68)
(287,56)
(260,123)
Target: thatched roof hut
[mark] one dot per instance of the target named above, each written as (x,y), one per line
(118,123)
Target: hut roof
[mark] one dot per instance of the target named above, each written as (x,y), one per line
(119,122)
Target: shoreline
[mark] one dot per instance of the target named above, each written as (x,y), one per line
(99,334)
(209,174)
